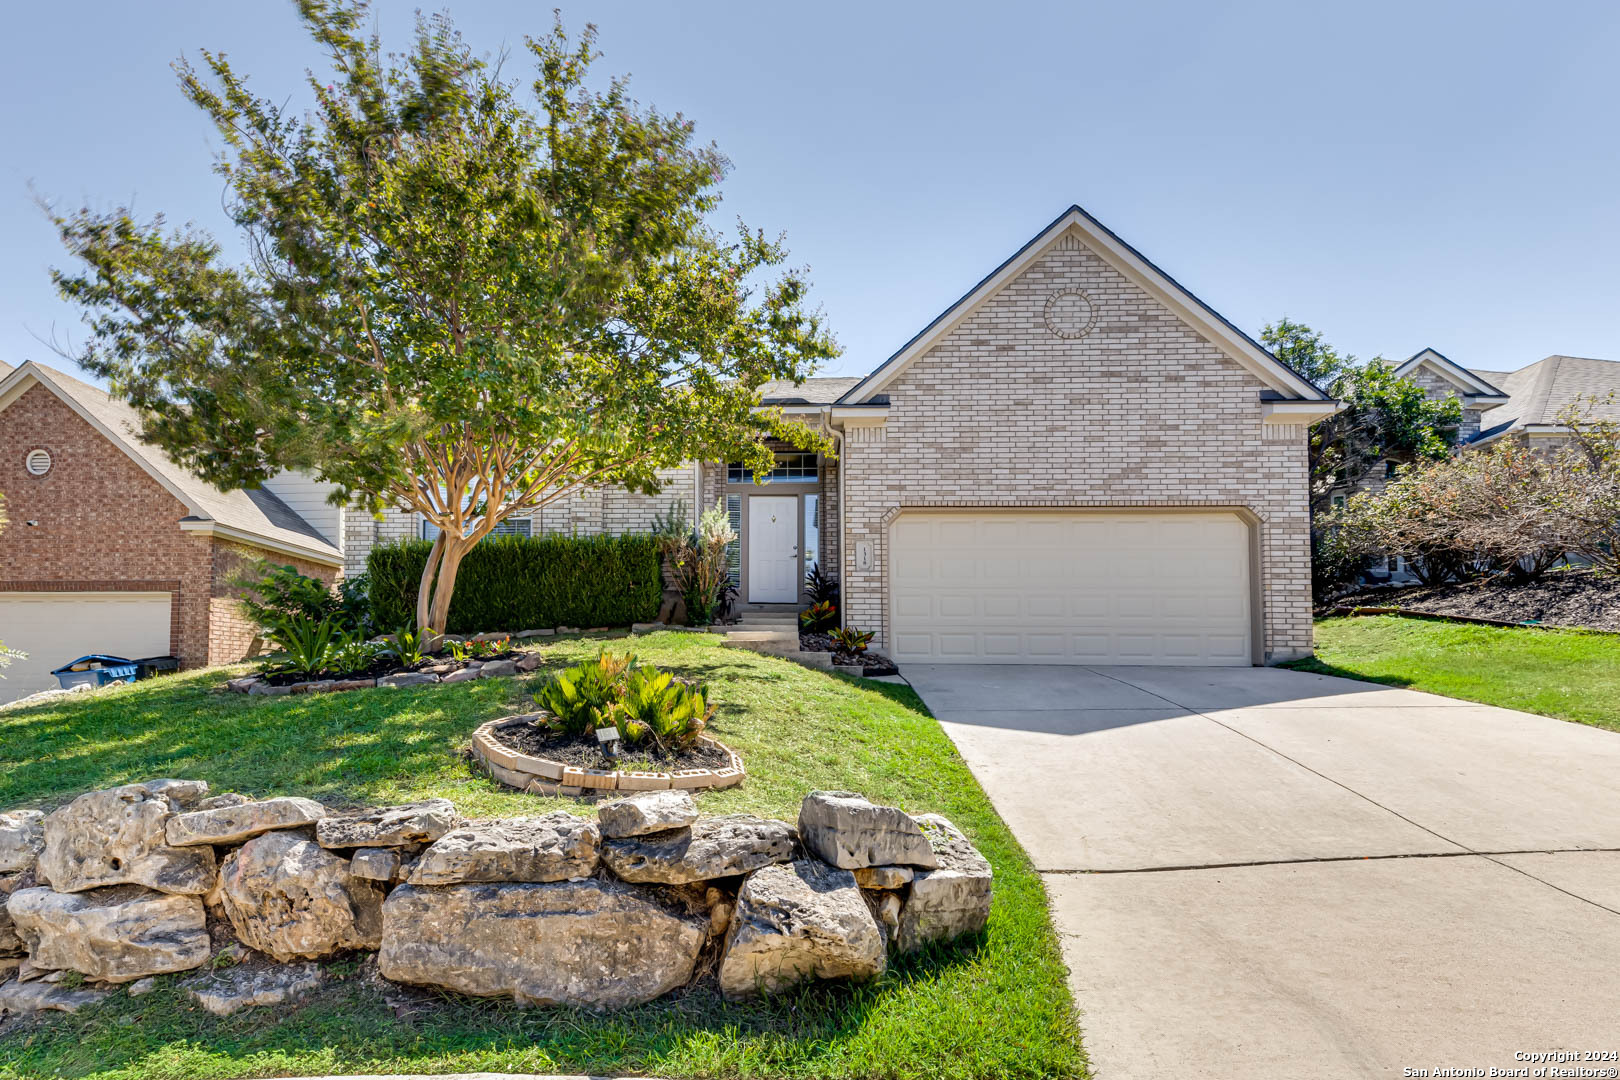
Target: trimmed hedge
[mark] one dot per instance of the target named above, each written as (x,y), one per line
(521,583)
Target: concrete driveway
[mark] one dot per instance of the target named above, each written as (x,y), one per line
(1263,872)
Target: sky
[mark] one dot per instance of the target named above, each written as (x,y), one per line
(1397,175)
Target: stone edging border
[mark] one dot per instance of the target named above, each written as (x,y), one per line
(542,776)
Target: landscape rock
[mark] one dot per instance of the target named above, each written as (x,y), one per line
(185,793)
(232,824)
(884,877)
(497,668)
(21,997)
(795,922)
(264,689)
(375,864)
(229,798)
(223,993)
(553,847)
(142,987)
(242,685)
(529,662)
(116,837)
(951,900)
(408,678)
(592,944)
(464,675)
(710,848)
(114,935)
(389,826)
(291,899)
(648,812)
(849,831)
(10,943)
(22,838)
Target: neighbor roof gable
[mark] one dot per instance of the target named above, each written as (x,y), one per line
(1132,265)
(252,516)
(1468,382)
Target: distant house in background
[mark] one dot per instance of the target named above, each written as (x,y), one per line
(1523,405)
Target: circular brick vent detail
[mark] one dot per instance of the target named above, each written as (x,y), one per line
(38,462)
(1070,314)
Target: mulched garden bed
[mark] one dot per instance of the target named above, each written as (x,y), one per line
(387,665)
(871,663)
(584,752)
(1573,598)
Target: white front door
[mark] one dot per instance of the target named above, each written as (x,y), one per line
(773,549)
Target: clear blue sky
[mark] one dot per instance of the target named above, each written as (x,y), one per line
(1397,175)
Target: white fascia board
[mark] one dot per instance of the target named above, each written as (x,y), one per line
(1299,412)
(860,415)
(1131,265)
(1449,370)
(209,527)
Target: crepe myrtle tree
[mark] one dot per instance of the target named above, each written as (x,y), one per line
(457,296)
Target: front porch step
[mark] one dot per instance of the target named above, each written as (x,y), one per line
(820,660)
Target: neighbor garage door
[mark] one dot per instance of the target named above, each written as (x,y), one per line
(54,628)
(1070,588)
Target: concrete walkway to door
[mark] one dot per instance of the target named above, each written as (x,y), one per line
(1258,872)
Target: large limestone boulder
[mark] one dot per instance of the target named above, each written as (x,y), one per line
(592,944)
(288,897)
(116,837)
(710,848)
(22,838)
(241,821)
(849,831)
(951,900)
(800,921)
(648,812)
(389,826)
(223,993)
(553,847)
(10,943)
(118,934)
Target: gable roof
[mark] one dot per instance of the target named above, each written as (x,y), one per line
(1470,382)
(1135,267)
(1539,392)
(253,516)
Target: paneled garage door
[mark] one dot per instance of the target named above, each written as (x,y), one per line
(1070,588)
(54,628)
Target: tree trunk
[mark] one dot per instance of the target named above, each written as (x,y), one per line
(444,588)
(424,588)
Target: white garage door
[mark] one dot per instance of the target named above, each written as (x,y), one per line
(1070,588)
(54,628)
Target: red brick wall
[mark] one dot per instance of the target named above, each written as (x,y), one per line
(231,636)
(106,524)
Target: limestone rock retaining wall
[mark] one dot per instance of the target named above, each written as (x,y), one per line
(119,886)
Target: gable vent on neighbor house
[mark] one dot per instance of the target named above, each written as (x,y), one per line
(38,462)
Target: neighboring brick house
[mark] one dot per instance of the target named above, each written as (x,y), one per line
(1524,405)
(114,548)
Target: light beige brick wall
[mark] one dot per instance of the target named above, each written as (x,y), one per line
(611,511)
(1436,388)
(1142,411)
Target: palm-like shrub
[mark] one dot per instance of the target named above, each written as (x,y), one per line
(578,699)
(643,703)
(306,645)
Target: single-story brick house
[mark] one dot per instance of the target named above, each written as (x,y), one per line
(1076,462)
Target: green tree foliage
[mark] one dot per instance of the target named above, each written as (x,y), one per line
(1385,418)
(462,296)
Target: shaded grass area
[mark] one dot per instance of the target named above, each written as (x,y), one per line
(1567,674)
(996,1006)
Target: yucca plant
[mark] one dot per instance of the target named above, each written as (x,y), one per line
(655,705)
(306,645)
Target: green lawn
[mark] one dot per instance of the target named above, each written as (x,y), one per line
(995,1007)
(1567,674)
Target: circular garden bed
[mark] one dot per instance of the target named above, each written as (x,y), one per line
(519,756)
